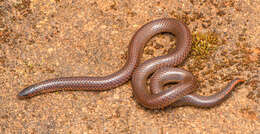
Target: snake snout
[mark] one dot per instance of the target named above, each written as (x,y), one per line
(25,93)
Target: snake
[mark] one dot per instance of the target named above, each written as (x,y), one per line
(159,70)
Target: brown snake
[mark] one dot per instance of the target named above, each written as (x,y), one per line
(181,93)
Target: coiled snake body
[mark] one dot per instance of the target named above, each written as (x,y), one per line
(181,93)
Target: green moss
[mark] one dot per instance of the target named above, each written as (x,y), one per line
(204,44)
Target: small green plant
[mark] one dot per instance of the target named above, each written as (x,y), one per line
(204,44)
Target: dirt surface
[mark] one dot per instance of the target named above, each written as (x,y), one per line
(42,39)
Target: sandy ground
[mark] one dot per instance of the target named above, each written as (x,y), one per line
(42,39)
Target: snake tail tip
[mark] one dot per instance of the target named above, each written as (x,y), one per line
(238,80)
